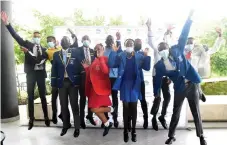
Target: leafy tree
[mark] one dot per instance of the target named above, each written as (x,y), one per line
(219,59)
(116,21)
(47,23)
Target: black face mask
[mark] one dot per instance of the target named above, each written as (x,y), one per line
(137,47)
(65,42)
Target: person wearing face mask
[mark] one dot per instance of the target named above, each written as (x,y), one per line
(65,75)
(52,48)
(113,73)
(185,78)
(34,67)
(165,82)
(84,53)
(137,49)
(129,80)
(98,87)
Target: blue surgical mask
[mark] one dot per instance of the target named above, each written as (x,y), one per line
(51,44)
(36,40)
(164,54)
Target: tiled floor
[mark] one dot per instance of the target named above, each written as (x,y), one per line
(17,135)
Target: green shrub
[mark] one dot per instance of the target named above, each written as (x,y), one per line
(219,63)
(215,88)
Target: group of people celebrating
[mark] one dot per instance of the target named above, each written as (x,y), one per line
(103,71)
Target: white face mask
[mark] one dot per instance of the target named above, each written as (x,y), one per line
(164,54)
(129,49)
(189,47)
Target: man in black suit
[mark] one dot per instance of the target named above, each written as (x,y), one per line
(34,67)
(85,52)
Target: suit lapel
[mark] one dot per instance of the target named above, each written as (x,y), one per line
(123,56)
(68,58)
(61,57)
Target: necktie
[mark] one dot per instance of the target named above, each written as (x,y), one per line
(64,57)
(87,56)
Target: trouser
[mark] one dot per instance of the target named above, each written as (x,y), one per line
(68,90)
(143,101)
(54,93)
(166,97)
(83,99)
(129,112)
(39,78)
(191,92)
(114,99)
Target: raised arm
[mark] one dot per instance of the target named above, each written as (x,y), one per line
(185,32)
(168,35)
(19,40)
(146,61)
(151,42)
(218,42)
(118,41)
(75,40)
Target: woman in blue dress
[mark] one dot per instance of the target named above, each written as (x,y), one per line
(129,66)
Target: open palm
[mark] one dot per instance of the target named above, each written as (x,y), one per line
(85,63)
(4,17)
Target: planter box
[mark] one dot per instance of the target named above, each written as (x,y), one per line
(38,111)
(214,109)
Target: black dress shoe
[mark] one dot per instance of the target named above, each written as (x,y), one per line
(106,129)
(76,133)
(116,124)
(154,123)
(91,119)
(64,130)
(163,122)
(145,123)
(202,141)
(134,137)
(30,124)
(47,121)
(60,116)
(203,98)
(83,125)
(170,140)
(54,119)
(126,138)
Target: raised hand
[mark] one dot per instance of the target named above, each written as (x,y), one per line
(148,23)
(219,31)
(118,35)
(115,48)
(85,63)
(146,51)
(191,14)
(4,18)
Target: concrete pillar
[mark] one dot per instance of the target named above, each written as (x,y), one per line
(9,101)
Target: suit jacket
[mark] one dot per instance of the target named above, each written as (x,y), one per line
(97,76)
(59,68)
(119,61)
(30,60)
(184,70)
(81,56)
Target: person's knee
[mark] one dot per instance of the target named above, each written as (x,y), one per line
(94,110)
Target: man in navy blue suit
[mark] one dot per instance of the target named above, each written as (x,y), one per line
(186,81)
(66,77)
(34,67)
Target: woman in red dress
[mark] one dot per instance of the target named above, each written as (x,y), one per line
(98,87)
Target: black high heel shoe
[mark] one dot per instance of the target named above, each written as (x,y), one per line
(126,138)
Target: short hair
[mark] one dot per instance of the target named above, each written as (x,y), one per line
(52,37)
(191,38)
(109,41)
(36,32)
(99,44)
(129,40)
